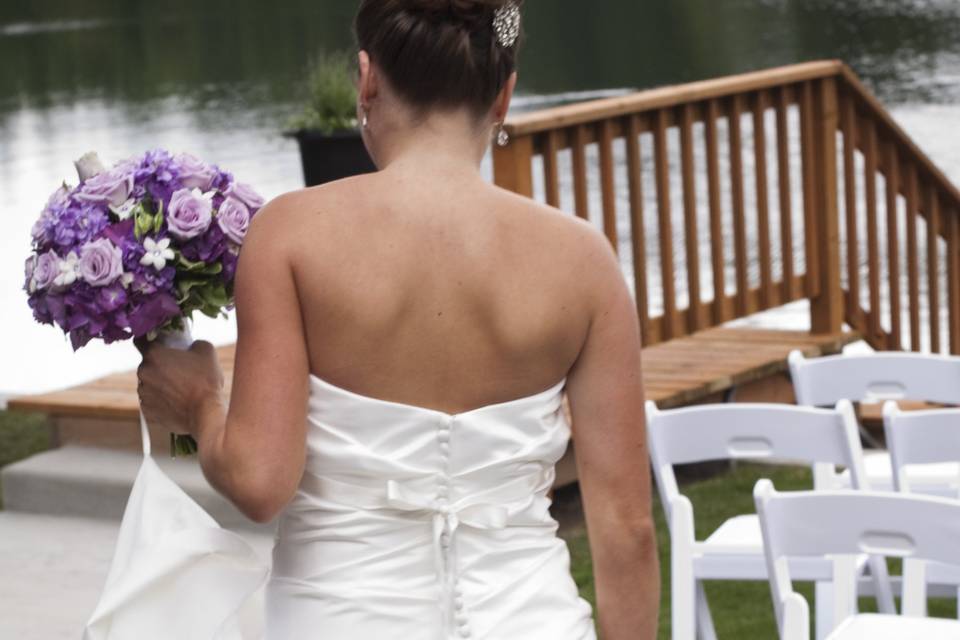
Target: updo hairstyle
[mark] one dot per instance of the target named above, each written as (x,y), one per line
(438,53)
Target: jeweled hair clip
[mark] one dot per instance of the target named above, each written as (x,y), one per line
(506,24)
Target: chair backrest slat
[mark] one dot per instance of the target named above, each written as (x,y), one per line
(920,437)
(848,523)
(821,382)
(745,431)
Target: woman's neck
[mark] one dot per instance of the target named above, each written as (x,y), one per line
(445,144)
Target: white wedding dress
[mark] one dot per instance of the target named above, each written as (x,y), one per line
(409,524)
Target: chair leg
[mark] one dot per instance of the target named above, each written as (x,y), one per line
(705,629)
(823,601)
(881,581)
(683,583)
(683,599)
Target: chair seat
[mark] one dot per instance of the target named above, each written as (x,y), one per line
(876,626)
(943,574)
(735,552)
(942,479)
(739,534)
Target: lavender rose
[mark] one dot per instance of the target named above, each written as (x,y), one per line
(111,187)
(195,173)
(234,219)
(101,263)
(189,214)
(245,194)
(45,271)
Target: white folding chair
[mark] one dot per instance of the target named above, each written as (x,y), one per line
(840,525)
(821,382)
(924,438)
(820,437)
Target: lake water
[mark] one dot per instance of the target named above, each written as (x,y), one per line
(220,78)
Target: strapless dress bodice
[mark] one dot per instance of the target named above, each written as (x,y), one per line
(415,524)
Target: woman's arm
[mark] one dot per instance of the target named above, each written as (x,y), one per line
(605,391)
(254,451)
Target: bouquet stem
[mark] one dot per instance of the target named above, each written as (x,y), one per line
(180,445)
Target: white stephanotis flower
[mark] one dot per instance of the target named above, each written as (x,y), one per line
(69,270)
(157,253)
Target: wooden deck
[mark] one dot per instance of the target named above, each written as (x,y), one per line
(676,373)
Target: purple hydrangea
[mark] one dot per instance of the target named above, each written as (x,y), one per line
(86,272)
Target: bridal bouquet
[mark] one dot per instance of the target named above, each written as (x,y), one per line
(133,251)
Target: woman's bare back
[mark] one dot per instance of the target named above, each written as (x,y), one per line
(425,285)
(444,293)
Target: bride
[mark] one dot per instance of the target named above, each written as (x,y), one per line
(404,342)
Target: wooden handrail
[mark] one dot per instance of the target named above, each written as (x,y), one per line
(813,121)
(671,96)
(877,110)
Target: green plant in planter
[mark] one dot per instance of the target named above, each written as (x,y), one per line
(331,103)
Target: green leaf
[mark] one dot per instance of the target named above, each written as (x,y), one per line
(187,264)
(186,285)
(331,103)
(214,296)
(198,268)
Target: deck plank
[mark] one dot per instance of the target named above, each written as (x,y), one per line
(675,372)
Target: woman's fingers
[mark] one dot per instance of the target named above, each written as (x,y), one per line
(171,383)
(142,344)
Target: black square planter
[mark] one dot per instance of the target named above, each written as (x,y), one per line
(329,157)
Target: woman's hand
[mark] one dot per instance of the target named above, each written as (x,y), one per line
(177,388)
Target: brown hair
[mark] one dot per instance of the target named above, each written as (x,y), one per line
(437,53)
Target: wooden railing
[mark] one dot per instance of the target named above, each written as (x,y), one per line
(723,199)
(921,254)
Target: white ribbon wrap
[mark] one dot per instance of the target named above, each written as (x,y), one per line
(175,572)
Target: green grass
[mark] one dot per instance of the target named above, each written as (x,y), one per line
(21,435)
(741,610)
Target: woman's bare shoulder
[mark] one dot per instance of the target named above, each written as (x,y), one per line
(290,208)
(294,217)
(580,243)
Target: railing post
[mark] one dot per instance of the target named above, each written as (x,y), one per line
(513,165)
(826,308)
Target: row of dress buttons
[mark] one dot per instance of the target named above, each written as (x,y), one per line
(443,494)
(463,626)
(443,436)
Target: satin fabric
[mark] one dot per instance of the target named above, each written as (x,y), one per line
(415,524)
(175,572)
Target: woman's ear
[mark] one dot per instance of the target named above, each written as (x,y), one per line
(367,85)
(502,105)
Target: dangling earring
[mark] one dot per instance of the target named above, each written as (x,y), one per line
(503,138)
(364,120)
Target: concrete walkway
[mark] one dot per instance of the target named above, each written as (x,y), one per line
(52,570)
(58,532)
